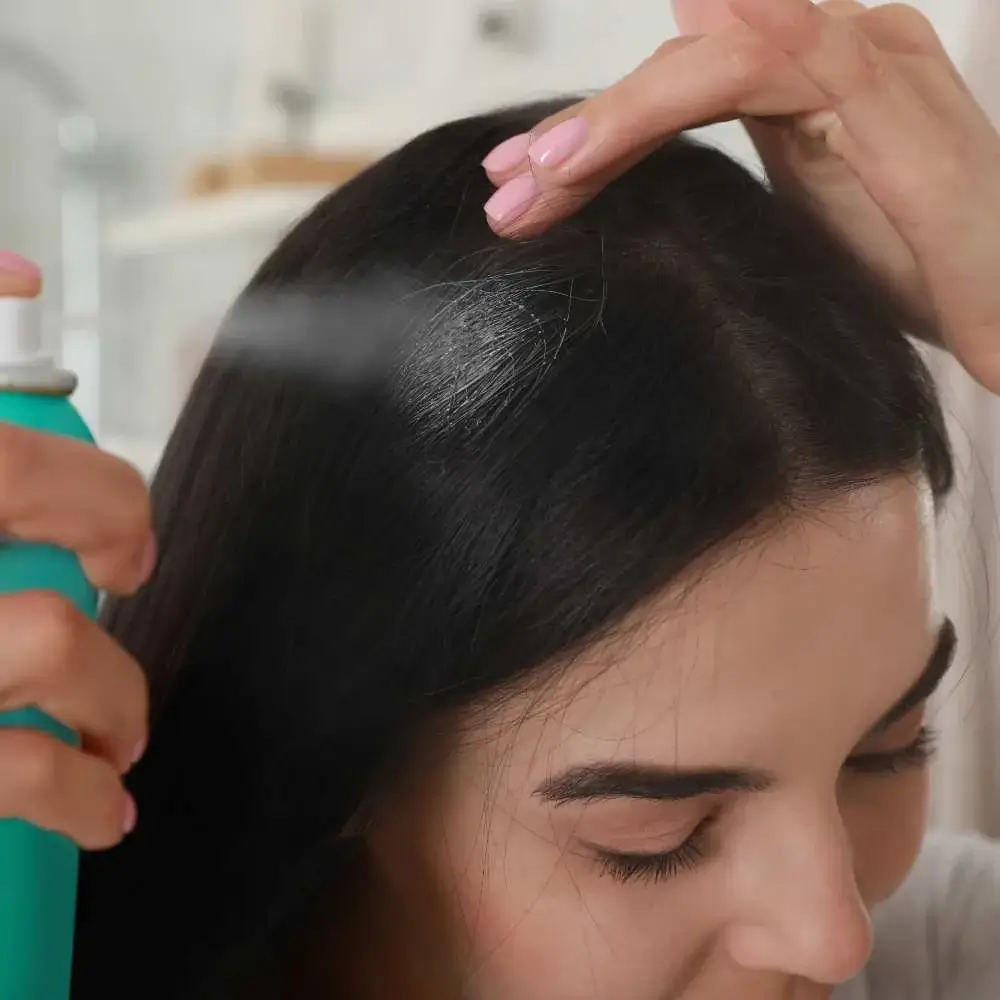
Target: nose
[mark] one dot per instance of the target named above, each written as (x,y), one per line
(800,911)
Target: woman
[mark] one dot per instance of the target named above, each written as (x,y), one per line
(532,619)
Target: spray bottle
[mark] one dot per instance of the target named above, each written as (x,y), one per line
(38,868)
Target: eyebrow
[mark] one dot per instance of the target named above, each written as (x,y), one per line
(647,781)
(926,684)
(628,780)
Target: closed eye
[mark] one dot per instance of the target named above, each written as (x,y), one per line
(658,867)
(918,753)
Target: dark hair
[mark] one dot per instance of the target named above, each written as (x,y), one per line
(470,456)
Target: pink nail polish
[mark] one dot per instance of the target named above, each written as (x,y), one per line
(512,199)
(557,145)
(131,815)
(16,264)
(508,155)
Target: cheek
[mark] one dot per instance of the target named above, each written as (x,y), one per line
(539,924)
(522,916)
(885,821)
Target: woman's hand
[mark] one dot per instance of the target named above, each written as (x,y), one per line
(67,493)
(858,113)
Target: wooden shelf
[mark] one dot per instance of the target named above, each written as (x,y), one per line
(367,131)
(264,210)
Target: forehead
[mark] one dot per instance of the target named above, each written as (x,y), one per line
(797,641)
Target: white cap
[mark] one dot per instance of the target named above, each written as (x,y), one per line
(24,362)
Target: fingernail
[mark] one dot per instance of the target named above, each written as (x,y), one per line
(131,815)
(148,560)
(512,199)
(140,749)
(16,264)
(508,155)
(557,145)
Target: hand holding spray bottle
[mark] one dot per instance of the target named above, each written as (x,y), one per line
(38,868)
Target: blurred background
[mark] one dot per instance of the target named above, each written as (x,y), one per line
(155,151)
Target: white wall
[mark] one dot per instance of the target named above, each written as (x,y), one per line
(155,73)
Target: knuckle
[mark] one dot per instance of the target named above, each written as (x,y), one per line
(949,170)
(135,694)
(910,184)
(141,518)
(143,701)
(749,60)
(906,22)
(133,522)
(667,48)
(138,505)
(55,630)
(864,69)
(114,555)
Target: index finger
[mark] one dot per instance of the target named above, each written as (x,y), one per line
(510,158)
(719,77)
(63,492)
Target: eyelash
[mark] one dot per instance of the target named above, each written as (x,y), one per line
(663,866)
(656,867)
(918,754)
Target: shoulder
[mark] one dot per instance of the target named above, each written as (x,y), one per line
(939,936)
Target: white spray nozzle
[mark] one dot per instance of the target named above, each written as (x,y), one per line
(21,332)
(24,362)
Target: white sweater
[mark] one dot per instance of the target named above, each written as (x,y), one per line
(938,938)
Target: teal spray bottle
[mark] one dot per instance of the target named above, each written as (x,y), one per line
(38,868)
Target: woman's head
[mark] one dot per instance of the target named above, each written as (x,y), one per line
(480,561)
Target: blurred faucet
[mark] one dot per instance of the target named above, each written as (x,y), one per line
(80,168)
